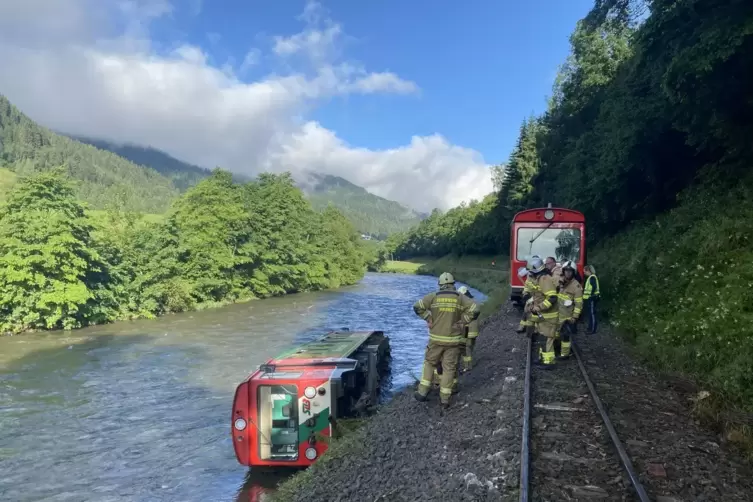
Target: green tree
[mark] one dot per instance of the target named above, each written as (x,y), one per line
(51,276)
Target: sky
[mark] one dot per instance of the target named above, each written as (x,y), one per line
(414,101)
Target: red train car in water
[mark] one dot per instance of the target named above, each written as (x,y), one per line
(284,412)
(549,231)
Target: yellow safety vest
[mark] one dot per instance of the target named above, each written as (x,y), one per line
(589,291)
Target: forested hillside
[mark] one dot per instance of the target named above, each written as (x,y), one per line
(648,132)
(61,267)
(369,213)
(101,177)
(182,174)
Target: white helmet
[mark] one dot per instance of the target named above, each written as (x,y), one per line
(463,290)
(571,265)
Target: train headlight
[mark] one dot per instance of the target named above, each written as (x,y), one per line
(309,392)
(548,214)
(240,424)
(311,453)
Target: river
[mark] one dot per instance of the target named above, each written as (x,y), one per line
(139,411)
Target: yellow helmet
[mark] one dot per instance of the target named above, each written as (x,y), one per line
(446,278)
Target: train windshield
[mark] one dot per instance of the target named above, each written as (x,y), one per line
(561,243)
(277,424)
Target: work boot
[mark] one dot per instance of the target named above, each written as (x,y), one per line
(444,405)
(420,397)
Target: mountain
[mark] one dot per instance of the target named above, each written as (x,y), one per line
(369,213)
(145,179)
(182,174)
(102,177)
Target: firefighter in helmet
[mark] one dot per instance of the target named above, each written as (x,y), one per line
(471,333)
(570,302)
(544,310)
(529,286)
(446,312)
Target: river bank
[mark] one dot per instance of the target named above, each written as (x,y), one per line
(410,451)
(141,408)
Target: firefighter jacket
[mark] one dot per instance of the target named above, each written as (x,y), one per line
(545,297)
(448,311)
(592,288)
(529,286)
(570,301)
(557,274)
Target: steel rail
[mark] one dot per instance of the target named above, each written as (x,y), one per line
(524,447)
(624,458)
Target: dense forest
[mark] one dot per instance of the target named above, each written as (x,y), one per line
(648,133)
(63,267)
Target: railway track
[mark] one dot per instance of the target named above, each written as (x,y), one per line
(570,450)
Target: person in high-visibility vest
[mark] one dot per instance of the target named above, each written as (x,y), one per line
(591,297)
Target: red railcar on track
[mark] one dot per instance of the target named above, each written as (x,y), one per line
(549,231)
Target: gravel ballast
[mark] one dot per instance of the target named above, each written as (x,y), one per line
(411,451)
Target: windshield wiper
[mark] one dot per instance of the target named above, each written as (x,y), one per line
(530,248)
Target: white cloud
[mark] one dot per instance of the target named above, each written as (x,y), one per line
(87,67)
(252,58)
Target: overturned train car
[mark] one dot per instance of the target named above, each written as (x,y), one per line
(284,412)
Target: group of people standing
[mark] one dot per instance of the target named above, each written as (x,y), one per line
(554,300)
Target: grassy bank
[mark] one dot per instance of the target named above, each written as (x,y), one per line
(400,267)
(680,289)
(476,271)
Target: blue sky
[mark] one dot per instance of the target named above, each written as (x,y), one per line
(412,100)
(482,66)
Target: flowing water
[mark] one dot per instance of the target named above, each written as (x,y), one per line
(139,411)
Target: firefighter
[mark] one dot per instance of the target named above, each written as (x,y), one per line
(528,288)
(446,312)
(471,333)
(591,296)
(554,268)
(545,310)
(570,303)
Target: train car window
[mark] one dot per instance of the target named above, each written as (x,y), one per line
(562,243)
(277,422)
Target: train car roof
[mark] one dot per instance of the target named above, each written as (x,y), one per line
(335,345)
(560,214)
